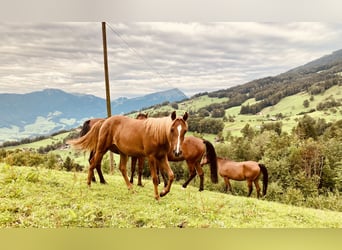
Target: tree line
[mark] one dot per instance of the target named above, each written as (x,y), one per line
(305,166)
(270,90)
(31,140)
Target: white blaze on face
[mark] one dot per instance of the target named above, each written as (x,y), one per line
(179,128)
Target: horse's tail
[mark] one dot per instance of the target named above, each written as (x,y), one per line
(89,140)
(85,128)
(265,178)
(211,156)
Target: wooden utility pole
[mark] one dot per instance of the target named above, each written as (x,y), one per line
(105,59)
(109,110)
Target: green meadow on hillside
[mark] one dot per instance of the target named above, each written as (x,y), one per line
(290,107)
(191,105)
(42,198)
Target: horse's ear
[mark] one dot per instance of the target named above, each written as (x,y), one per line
(173,115)
(146,115)
(185,116)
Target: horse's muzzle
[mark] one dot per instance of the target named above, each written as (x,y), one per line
(177,153)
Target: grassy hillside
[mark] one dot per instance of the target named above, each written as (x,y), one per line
(191,105)
(41,143)
(38,197)
(290,107)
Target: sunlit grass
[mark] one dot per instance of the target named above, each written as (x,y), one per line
(38,197)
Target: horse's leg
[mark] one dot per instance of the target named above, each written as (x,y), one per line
(192,174)
(98,169)
(123,169)
(227,187)
(256,183)
(153,169)
(250,187)
(200,173)
(91,155)
(99,172)
(164,166)
(95,162)
(163,175)
(141,161)
(158,173)
(133,163)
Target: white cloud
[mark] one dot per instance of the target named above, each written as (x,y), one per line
(147,57)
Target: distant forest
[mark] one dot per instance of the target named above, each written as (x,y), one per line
(314,78)
(270,90)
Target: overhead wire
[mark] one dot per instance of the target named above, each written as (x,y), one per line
(132,49)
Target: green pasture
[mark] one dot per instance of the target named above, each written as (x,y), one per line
(186,106)
(290,107)
(41,143)
(43,198)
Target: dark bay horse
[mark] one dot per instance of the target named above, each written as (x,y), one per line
(193,149)
(240,171)
(153,138)
(87,125)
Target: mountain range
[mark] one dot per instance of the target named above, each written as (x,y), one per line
(51,110)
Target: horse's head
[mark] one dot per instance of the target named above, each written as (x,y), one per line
(142,116)
(178,129)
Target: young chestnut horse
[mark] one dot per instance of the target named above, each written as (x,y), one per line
(193,149)
(152,138)
(240,171)
(85,129)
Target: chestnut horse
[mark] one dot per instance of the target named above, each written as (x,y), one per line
(240,171)
(87,126)
(152,138)
(193,149)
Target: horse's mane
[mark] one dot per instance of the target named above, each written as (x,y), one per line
(158,128)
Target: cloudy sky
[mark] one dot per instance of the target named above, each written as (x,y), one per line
(146,57)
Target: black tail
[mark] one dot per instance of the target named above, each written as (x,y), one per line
(265,178)
(85,128)
(211,156)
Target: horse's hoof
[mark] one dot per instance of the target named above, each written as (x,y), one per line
(201,189)
(163,193)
